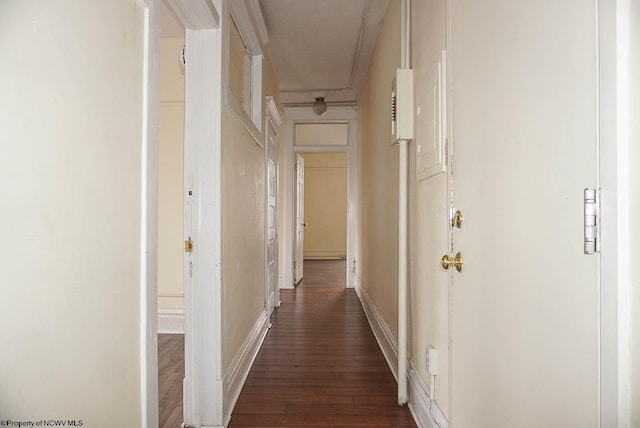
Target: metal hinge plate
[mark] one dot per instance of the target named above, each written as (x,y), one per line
(591,220)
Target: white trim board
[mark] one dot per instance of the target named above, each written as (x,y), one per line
(281,283)
(149,215)
(170,321)
(203,389)
(386,339)
(236,12)
(238,371)
(196,14)
(425,411)
(335,114)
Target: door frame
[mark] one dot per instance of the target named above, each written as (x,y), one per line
(149,216)
(203,95)
(614,143)
(203,385)
(299,223)
(273,119)
(335,114)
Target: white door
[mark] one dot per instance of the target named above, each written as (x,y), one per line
(525,306)
(298,263)
(430,226)
(272,294)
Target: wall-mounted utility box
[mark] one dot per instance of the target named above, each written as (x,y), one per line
(402,106)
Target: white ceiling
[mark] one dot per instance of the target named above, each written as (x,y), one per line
(321,46)
(316,46)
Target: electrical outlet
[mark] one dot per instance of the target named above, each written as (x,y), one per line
(432,360)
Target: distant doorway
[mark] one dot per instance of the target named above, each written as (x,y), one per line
(314,139)
(325,205)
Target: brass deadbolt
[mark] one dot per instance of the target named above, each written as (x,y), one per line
(457,219)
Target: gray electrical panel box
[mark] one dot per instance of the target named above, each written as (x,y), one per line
(402,106)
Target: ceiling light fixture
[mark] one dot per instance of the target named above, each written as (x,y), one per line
(320,106)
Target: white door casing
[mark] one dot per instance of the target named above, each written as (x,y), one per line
(298,265)
(202,390)
(272,295)
(525,306)
(335,114)
(149,202)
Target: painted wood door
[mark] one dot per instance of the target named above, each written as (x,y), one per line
(298,264)
(272,295)
(525,306)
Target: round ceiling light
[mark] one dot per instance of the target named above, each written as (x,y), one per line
(320,106)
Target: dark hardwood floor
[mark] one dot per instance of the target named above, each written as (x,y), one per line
(324,273)
(319,366)
(170,376)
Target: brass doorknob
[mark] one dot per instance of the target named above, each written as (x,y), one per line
(448,261)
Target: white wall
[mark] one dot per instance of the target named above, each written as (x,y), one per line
(70,211)
(243,221)
(377,168)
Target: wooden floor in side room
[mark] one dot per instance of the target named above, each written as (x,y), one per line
(170,376)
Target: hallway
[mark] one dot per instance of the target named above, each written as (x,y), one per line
(320,364)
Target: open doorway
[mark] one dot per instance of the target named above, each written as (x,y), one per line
(329,142)
(171,208)
(192,212)
(324,218)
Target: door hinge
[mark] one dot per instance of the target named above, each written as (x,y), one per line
(591,220)
(295,264)
(188,245)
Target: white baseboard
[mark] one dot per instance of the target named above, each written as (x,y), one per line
(386,339)
(239,369)
(425,411)
(171,321)
(282,285)
(353,280)
(207,426)
(325,255)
